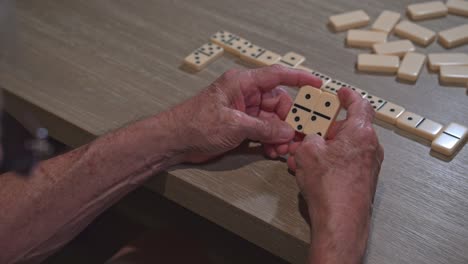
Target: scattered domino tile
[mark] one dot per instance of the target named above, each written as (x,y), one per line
(436,60)
(203,56)
(259,56)
(348,20)
(411,66)
(458,7)
(250,51)
(414,32)
(378,63)
(408,121)
(427,129)
(398,48)
(386,21)
(450,139)
(454,74)
(427,10)
(453,37)
(323,115)
(376,102)
(236,45)
(325,79)
(322,108)
(266,58)
(223,38)
(301,111)
(364,38)
(389,112)
(334,86)
(418,125)
(291,59)
(359,91)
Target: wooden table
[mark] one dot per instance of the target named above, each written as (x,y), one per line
(87,67)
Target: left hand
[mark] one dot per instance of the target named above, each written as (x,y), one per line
(240,105)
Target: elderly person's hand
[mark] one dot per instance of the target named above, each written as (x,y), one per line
(240,105)
(338,179)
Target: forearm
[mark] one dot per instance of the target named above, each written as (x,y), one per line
(43,211)
(340,227)
(338,242)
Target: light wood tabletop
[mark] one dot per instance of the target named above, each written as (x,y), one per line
(82,68)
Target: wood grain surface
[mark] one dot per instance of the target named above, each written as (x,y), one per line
(87,67)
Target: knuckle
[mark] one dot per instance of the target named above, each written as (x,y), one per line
(301,151)
(305,149)
(367,131)
(234,118)
(224,81)
(367,107)
(277,68)
(367,134)
(265,130)
(228,75)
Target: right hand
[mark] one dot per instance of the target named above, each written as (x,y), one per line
(338,176)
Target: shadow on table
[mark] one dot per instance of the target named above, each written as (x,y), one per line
(244,155)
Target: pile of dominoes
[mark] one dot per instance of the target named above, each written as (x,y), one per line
(452,67)
(314,110)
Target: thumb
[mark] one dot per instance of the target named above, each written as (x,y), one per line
(315,141)
(270,131)
(311,147)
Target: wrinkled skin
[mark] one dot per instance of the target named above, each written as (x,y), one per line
(338,177)
(240,105)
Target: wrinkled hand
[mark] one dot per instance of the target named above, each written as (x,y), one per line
(338,177)
(240,105)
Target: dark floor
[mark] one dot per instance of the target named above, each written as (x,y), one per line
(140,213)
(144,211)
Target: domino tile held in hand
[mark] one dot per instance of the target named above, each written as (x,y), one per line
(301,111)
(323,115)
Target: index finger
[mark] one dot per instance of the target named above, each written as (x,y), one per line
(268,78)
(357,107)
